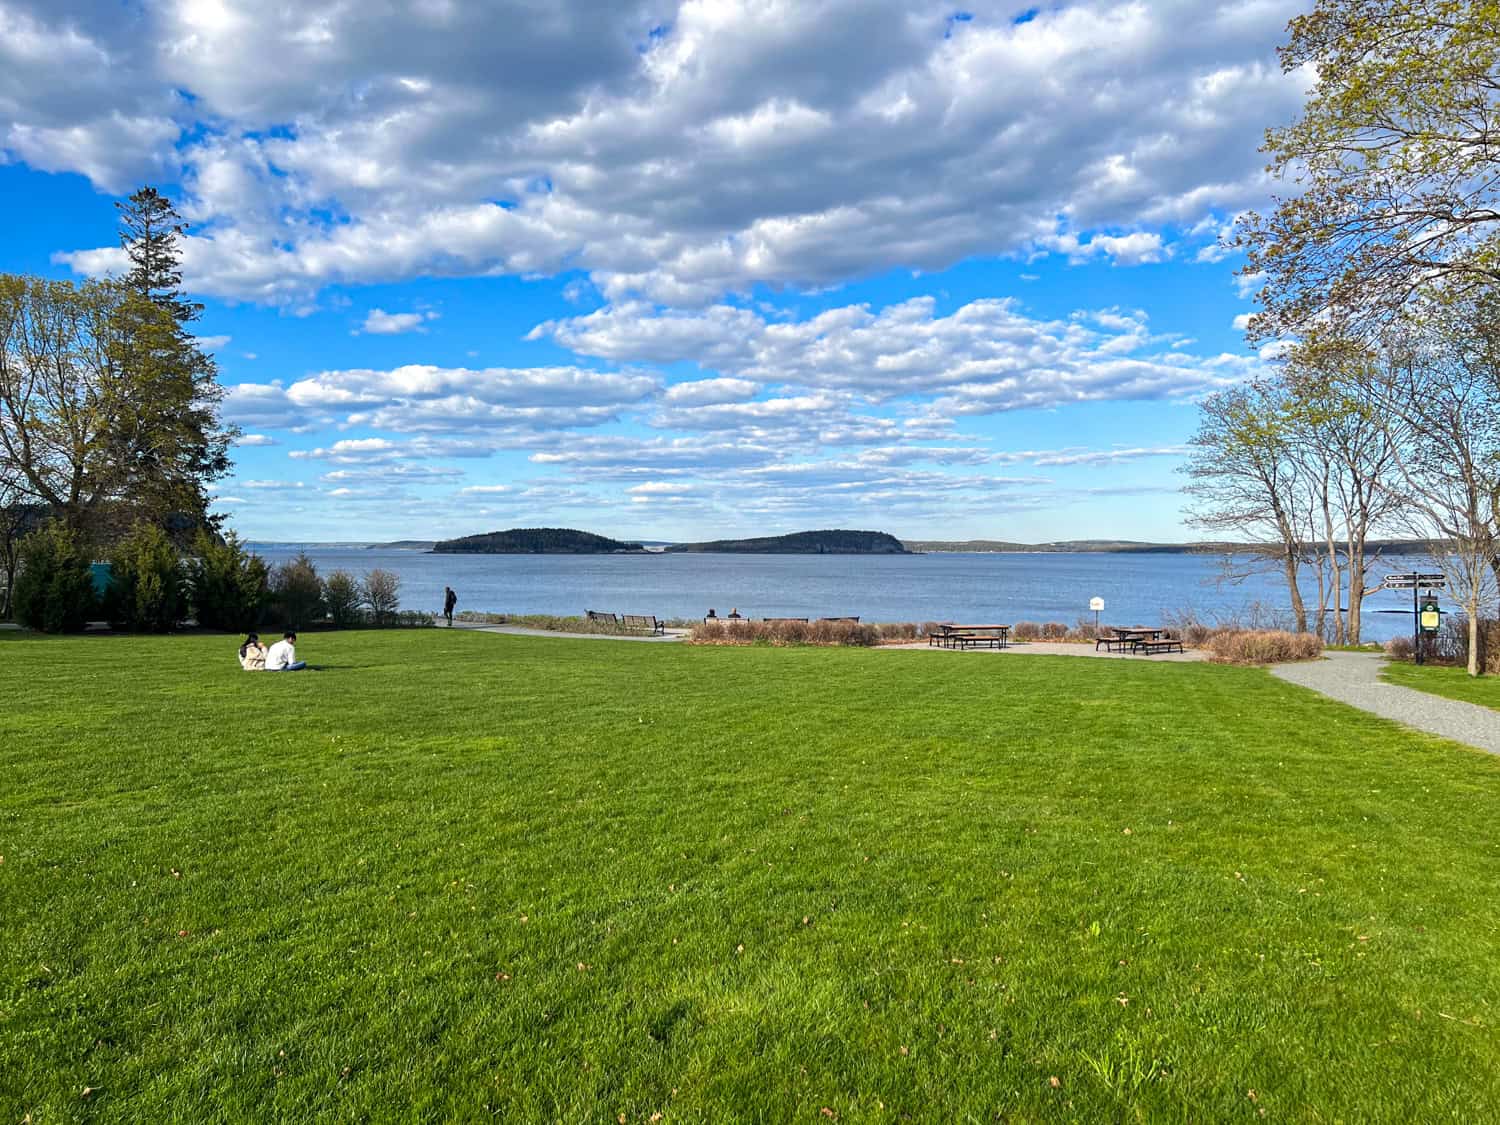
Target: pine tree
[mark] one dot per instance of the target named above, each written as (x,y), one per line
(149,229)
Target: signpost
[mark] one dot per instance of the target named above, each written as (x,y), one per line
(1426,614)
(1096,604)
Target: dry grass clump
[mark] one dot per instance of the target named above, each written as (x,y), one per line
(783,634)
(1262,646)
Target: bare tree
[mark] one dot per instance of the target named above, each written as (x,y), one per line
(1441,384)
(1248,482)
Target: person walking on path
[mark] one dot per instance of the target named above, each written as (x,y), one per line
(450,599)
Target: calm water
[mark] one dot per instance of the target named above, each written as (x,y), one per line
(989,588)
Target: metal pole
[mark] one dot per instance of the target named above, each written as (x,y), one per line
(1416,625)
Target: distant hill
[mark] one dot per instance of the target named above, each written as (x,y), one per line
(533,541)
(403,545)
(803,543)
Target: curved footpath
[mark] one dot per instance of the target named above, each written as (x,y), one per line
(1354,678)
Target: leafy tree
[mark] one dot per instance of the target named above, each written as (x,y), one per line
(108,411)
(230,586)
(344,596)
(55,586)
(297,592)
(148,590)
(1397,158)
(382,593)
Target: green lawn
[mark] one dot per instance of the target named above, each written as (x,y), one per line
(1454,683)
(461,876)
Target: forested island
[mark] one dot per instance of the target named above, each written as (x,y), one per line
(1133,547)
(836,542)
(534,541)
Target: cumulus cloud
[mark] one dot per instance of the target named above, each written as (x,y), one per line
(423,397)
(985,357)
(672,148)
(381,323)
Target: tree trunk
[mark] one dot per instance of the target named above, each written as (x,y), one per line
(1299,611)
(1356,592)
(1474,638)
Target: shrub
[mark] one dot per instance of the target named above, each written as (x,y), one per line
(382,593)
(148,585)
(1026,631)
(343,597)
(1054,631)
(789,633)
(229,584)
(54,583)
(1398,648)
(1263,646)
(297,592)
(1451,644)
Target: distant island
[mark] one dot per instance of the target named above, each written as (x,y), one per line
(802,543)
(403,545)
(534,541)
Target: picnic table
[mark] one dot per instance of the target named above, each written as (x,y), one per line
(950,634)
(1136,638)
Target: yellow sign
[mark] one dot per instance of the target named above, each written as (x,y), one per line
(1431,616)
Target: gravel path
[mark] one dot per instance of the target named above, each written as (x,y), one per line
(1354,678)
(669,637)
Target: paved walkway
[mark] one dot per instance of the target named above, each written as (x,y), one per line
(1062,648)
(669,637)
(1354,678)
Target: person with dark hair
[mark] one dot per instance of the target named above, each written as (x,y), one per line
(450,599)
(253,654)
(283,655)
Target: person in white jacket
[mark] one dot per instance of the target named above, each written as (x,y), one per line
(283,655)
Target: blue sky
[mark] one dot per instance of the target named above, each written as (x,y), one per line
(675,269)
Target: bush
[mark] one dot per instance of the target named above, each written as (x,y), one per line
(229,585)
(789,633)
(382,593)
(1054,631)
(148,585)
(343,597)
(54,583)
(1398,648)
(297,593)
(1026,631)
(1451,644)
(1263,646)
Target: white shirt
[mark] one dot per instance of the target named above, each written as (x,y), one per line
(282,654)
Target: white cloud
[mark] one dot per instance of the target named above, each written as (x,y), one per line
(986,356)
(381,323)
(423,397)
(213,343)
(742,141)
(249,440)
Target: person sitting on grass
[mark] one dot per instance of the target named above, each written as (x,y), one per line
(283,655)
(253,654)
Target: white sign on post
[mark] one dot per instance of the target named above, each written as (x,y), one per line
(1096,604)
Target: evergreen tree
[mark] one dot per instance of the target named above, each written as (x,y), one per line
(149,229)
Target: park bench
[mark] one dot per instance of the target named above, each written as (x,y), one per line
(647,622)
(1158,644)
(602,618)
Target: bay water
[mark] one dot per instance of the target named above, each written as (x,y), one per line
(978,588)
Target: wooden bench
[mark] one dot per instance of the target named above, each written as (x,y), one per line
(970,636)
(602,618)
(647,622)
(1160,644)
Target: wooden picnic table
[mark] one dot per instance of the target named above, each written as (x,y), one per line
(953,635)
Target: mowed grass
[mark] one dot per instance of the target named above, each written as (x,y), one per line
(461,876)
(1452,683)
